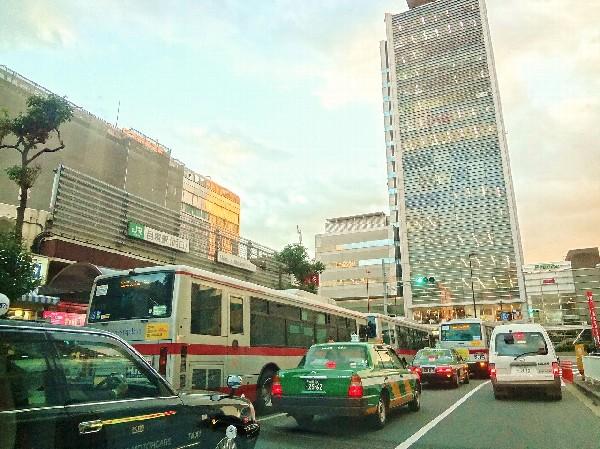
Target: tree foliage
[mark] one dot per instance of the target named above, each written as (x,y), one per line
(295,260)
(28,134)
(16,268)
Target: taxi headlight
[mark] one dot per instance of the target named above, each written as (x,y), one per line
(247,414)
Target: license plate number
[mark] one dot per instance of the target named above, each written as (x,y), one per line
(428,370)
(524,370)
(313,385)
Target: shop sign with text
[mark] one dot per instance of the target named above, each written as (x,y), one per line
(143,232)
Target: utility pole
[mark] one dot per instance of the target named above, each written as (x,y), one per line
(368,301)
(385,297)
(299,234)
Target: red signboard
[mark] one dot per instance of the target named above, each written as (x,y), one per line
(64,318)
(549,281)
(593,318)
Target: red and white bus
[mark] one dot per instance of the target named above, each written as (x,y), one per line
(196,327)
(405,336)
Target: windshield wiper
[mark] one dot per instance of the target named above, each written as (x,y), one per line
(526,353)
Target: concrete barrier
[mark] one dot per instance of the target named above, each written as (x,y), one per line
(591,367)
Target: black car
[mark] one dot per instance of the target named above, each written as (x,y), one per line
(73,388)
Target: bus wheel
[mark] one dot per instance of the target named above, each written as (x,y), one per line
(264,401)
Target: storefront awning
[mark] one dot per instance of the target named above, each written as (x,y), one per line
(39,299)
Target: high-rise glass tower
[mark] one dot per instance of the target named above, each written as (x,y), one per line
(449,180)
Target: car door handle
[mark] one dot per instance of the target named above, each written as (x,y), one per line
(90,427)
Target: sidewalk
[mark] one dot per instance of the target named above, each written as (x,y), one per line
(589,389)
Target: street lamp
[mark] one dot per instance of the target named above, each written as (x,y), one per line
(472,289)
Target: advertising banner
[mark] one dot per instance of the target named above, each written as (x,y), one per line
(593,318)
(64,318)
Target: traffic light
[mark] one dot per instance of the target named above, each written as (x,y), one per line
(424,280)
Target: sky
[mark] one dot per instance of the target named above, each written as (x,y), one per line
(280,100)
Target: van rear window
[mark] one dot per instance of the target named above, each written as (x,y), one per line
(521,343)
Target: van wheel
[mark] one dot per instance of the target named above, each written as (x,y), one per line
(555,394)
(380,418)
(264,401)
(499,394)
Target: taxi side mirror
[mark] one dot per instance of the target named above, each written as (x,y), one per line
(234,381)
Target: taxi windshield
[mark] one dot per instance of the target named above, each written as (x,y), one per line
(433,355)
(336,357)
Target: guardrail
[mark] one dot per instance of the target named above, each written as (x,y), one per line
(591,368)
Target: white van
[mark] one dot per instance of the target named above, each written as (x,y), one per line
(523,357)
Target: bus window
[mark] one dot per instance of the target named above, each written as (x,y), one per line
(236,315)
(142,296)
(206,310)
(266,328)
(460,332)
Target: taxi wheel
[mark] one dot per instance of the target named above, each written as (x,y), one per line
(466,379)
(304,420)
(380,418)
(455,381)
(415,404)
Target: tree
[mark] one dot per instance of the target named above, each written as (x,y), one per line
(30,131)
(295,261)
(16,268)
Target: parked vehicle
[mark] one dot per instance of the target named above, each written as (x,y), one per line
(523,357)
(346,379)
(73,388)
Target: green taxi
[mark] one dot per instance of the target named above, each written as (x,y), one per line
(346,379)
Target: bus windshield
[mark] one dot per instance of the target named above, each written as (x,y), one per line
(460,332)
(144,295)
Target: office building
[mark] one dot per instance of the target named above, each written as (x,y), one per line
(449,179)
(358,252)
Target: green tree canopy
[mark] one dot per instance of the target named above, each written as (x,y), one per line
(27,133)
(295,260)
(16,268)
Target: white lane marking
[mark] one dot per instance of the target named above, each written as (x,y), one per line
(431,424)
(276,415)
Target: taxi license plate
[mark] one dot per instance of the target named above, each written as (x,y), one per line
(313,385)
(524,370)
(428,370)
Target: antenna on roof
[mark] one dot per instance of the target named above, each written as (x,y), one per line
(118,110)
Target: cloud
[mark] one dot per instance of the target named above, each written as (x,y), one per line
(27,24)
(547,54)
(280,189)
